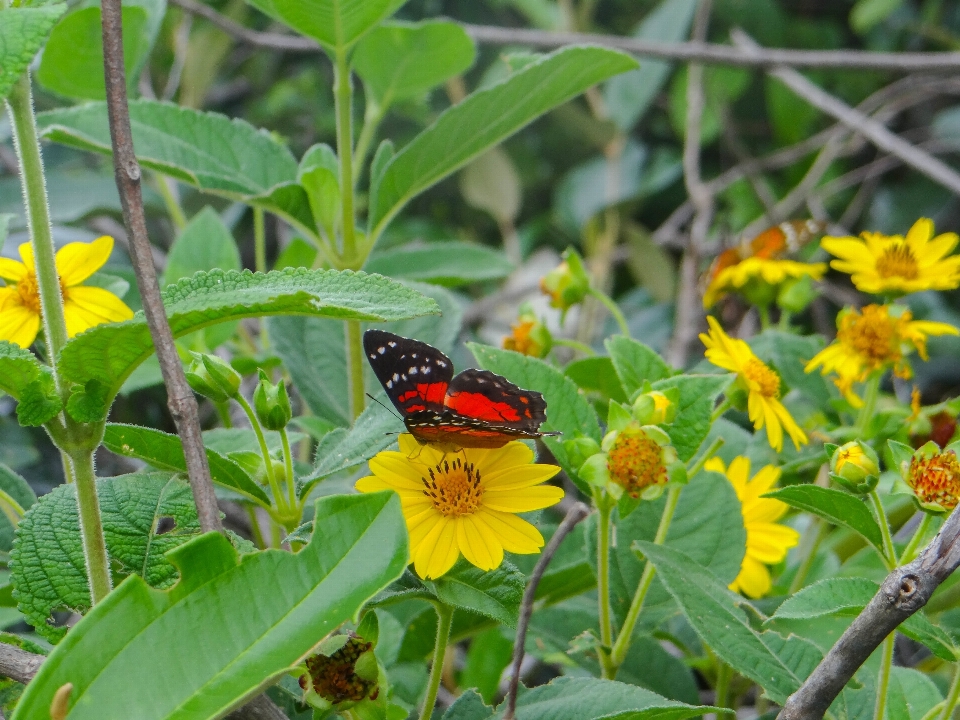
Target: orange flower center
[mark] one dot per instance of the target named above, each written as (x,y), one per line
(769,382)
(936,479)
(898,260)
(29,291)
(636,462)
(454,488)
(872,333)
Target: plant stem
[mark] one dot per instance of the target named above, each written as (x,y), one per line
(721,409)
(890,555)
(288,466)
(883,679)
(444,620)
(91,527)
(764,312)
(816,532)
(358,397)
(575,345)
(610,305)
(707,454)
(265,451)
(343,99)
(177,217)
(953,695)
(255,527)
(371,121)
(603,568)
(724,673)
(259,241)
(869,404)
(910,551)
(619,652)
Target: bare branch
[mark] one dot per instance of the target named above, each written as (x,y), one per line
(18,664)
(180,399)
(574,515)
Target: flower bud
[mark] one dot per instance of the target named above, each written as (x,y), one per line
(272,403)
(568,283)
(795,295)
(212,377)
(530,336)
(579,449)
(934,477)
(655,408)
(855,466)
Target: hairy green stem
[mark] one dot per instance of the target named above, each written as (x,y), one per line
(288,466)
(371,121)
(259,241)
(890,555)
(707,454)
(724,674)
(953,695)
(265,452)
(91,526)
(619,652)
(358,397)
(910,551)
(444,620)
(869,405)
(610,305)
(177,216)
(883,679)
(603,572)
(721,409)
(258,538)
(343,99)
(764,311)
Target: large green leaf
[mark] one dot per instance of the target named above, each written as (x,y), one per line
(165,452)
(212,152)
(204,244)
(22,33)
(495,594)
(229,627)
(486,118)
(335,24)
(635,363)
(567,410)
(712,611)
(447,263)
(836,506)
(401,60)
(694,409)
(107,354)
(18,369)
(47,561)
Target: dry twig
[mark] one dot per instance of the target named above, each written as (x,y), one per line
(18,664)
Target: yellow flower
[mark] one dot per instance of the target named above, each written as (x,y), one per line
(893,264)
(83,307)
(767,541)
(874,339)
(464,502)
(772,272)
(760,382)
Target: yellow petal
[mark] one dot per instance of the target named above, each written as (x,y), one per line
(85,307)
(938,248)
(419,525)
(26,254)
(715,464)
(446,551)
(526,500)
(408,445)
(483,551)
(12,270)
(371,483)
(522,476)
(428,546)
(18,324)
(77,261)
(919,234)
(397,470)
(516,535)
(753,580)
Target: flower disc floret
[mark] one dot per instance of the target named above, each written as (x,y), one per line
(935,478)
(637,462)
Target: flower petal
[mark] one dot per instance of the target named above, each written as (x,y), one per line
(491,463)
(19,324)
(516,534)
(526,500)
(483,550)
(12,270)
(521,476)
(77,261)
(86,307)
(445,552)
(753,580)
(397,471)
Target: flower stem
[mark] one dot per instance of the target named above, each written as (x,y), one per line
(890,555)
(721,409)
(603,568)
(264,451)
(166,189)
(869,405)
(724,674)
(610,305)
(288,466)
(764,311)
(953,695)
(575,345)
(259,241)
(343,99)
(707,454)
(358,397)
(444,620)
(371,121)
(91,526)
(910,551)
(816,532)
(883,679)
(619,652)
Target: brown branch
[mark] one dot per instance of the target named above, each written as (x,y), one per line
(903,592)
(874,131)
(180,399)
(574,515)
(18,664)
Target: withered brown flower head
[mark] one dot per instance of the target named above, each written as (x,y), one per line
(334,677)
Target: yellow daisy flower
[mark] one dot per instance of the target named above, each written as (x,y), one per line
(83,307)
(464,502)
(772,272)
(874,339)
(760,382)
(881,263)
(767,541)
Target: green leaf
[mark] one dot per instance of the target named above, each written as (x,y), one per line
(47,562)
(596,374)
(204,244)
(866,14)
(698,393)
(319,174)
(335,24)
(486,118)
(584,191)
(911,694)
(447,263)
(39,401)
(109,353)
(635,363)
(489,654)
(834,505)
(22,33)
(567,410)
(72,63)
(495,593)
(568,698)
(18,368)
(712,611)
(470,705)
(198,148)
(627,97)
(165,452)
(18,490)
(400,60)
(228,628)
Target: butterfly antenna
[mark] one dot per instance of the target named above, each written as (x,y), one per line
(388,409)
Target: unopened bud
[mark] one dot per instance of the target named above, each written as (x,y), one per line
(856,466)
(212,377)
(272,403)
(568,283)
(654,408)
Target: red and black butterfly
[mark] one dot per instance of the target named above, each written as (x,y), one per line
(475,409)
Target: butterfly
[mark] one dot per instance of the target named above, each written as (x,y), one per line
(474,409)
(772,244)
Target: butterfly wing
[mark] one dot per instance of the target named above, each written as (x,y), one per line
(485,397)
(414,375)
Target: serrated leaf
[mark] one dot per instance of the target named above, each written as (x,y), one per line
(469,706)
(635,363)
(596,374)
(712,611)
(18,368)
(89,403)
(494,593)
(447,263)
(22,34)
(335,24)
(47,563)
(834,505)
(165,452)
(698,394)
(567,410)
(109,353)
(486,118)
(400,60)
(39,401)
(201,660)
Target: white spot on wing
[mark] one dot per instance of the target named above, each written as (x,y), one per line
(412,371)
(381,350)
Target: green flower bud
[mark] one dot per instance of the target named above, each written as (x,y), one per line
(655,408)
(856,466)
(212,377)
(272,404)
(795,295)
(529,336)
(579,449)
(568,283)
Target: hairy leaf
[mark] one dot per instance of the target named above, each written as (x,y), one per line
(834,505)
(694,409)
(335,24)
(495,594)
(635,363)
(447,263)
(17,489)
(22,33)
(18,368)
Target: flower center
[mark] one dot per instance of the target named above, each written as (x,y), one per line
(898,260)
(936,479)
(636,462)
(454,488)
(29,292)
(872,334)
(769,382)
